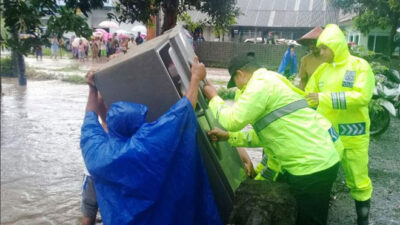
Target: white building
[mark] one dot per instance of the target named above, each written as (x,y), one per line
(376,40)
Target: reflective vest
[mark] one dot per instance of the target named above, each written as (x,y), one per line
(297,141)
(345,88)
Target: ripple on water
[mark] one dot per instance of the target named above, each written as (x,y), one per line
(41,164)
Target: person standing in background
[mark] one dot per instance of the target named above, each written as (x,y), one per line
(288,65)
(310,62)
(139,39)
(54,47)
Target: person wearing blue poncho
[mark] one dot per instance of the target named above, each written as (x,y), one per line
(288,66)
(148,173)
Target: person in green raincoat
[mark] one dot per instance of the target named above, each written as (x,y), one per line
(296,141)
(341,89)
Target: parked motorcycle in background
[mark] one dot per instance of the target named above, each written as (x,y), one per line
(385,101)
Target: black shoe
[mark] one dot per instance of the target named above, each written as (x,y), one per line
(362,209)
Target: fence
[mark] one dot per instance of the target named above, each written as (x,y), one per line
(218,54)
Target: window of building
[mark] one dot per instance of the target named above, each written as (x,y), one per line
(353,37)
(356,38)
(378,43)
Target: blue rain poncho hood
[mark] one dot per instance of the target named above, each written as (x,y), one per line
(287,59)
(124,119)
(148,173)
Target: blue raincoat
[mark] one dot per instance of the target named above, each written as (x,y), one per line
(148,173)
(286,60)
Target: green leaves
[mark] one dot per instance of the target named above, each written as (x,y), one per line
(26,18)
(221,13)
(65,21)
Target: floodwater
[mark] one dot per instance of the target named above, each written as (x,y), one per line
(41,163)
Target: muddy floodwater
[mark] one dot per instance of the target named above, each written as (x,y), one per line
(41,163)
(42,168)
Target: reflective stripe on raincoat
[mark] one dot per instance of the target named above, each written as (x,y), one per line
(345,88)
(299,143)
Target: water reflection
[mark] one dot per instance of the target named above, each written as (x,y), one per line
(41,164)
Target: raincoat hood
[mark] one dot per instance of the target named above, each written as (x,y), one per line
(334,39)
(125,118)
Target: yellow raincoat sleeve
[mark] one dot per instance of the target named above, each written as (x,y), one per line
(244,139)
(358,96)
(312,86)
(246,110)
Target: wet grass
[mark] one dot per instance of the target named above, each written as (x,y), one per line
(74,79)
(219,82)
(70,68)
(31,73)
(61,52)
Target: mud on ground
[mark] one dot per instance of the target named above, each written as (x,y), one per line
(384,171)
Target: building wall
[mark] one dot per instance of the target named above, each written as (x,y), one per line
(218,54)
(252,32)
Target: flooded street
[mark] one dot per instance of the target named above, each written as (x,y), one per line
(41,163)
(42,168)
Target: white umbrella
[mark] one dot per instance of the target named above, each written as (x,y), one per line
(120,31)
(101,30)
(75,43)
(398,29)
(108,24)
(140,28)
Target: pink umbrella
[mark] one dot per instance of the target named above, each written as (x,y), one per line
(101,30)
(97,34)
(122,36)
(107,36)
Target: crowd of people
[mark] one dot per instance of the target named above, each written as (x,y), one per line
(99,49)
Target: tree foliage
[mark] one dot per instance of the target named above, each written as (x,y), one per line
(190,24)
(26,16)
(221,13)
(372,14)
(24,27)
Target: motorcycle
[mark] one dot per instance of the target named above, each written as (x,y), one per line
(385,101)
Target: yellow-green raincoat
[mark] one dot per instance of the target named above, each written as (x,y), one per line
(296,142)
(345,88)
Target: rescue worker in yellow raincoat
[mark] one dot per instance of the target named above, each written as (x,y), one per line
(341,88)
(284,123)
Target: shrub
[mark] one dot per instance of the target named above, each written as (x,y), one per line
(75,79)
(6,67)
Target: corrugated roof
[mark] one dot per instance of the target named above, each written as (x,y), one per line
(281,13)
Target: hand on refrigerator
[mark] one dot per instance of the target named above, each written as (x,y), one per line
(209,90)
(198,70)
(217,134)
(90,78)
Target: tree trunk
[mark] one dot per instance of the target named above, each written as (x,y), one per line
(21,68)
(170,10)
(18,61)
